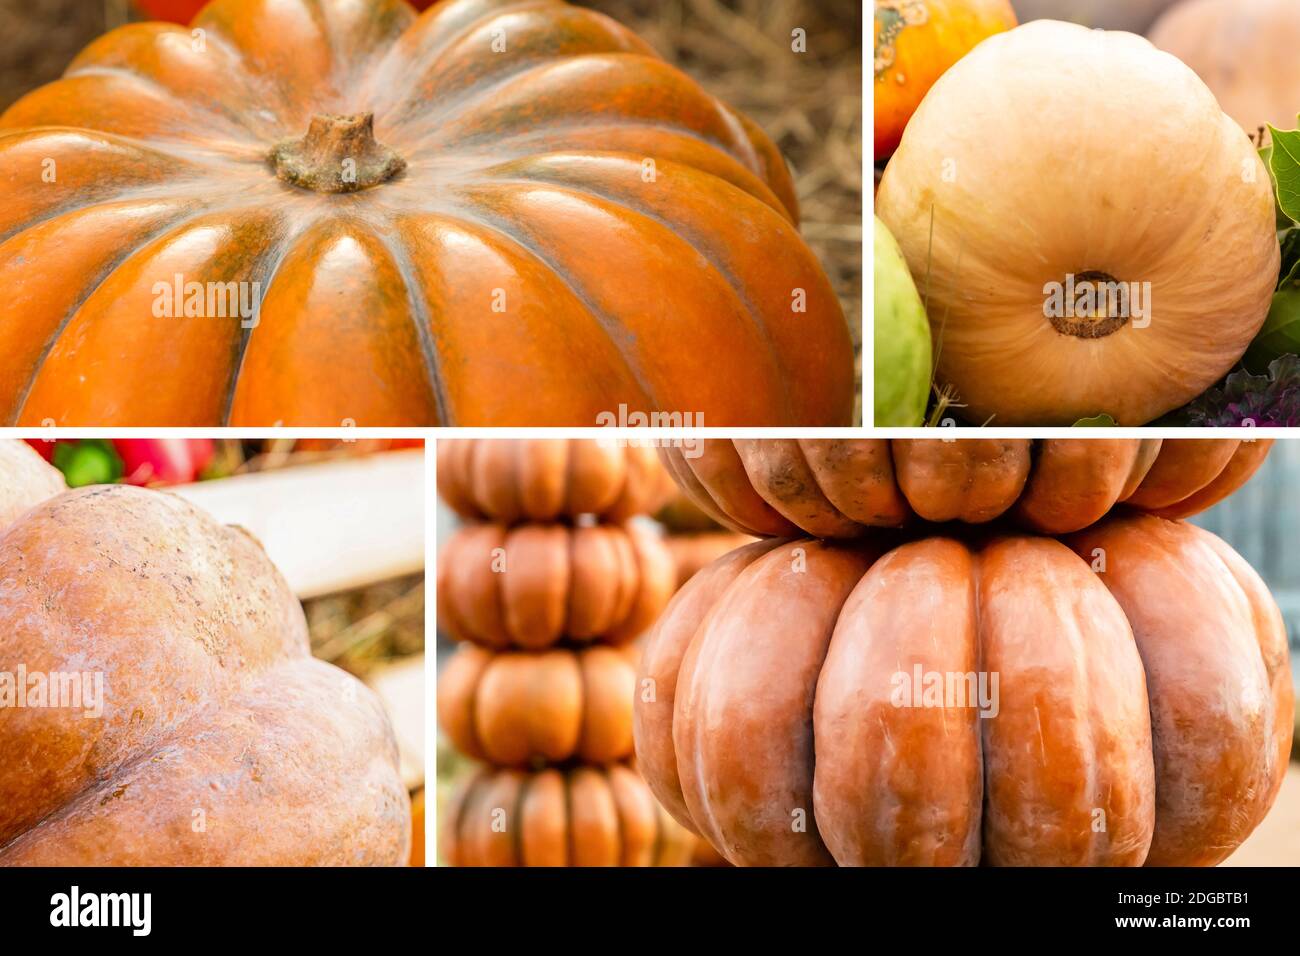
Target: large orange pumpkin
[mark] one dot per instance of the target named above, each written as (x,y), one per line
(535,584)
(499,213)
(218,739)
(579,817)
(516,708)
(1072,267)
(915,42)
(1142,714)
(840,487)
(1244,50)
(549,479)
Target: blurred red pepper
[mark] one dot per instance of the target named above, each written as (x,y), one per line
(170,461)
(134,461)
(183,11)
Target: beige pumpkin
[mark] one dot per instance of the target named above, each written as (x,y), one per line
(1054,154)
(25,480)
(1245,51)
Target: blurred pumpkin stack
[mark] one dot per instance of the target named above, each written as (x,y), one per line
(545,588)
(694,539)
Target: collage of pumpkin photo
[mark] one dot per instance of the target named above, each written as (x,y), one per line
(561,305)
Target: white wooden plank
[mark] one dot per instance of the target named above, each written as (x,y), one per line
(330,526)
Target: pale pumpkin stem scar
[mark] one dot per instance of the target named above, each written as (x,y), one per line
(1098,325)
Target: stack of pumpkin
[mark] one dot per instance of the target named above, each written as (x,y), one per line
(547,585)
(694,539)
(1063,672)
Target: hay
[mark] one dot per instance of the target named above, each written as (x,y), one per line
(360,630)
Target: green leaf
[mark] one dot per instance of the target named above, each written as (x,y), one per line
(1097,421)
(1290,270)
(1284,166)
(1280,334)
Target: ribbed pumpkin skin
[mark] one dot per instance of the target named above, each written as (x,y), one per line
(212,702)
(512,709)
(1214,648)
(533,585)
(549,479)
(838,488)
(463,291)
(993,207)
(579,817)
(774,701)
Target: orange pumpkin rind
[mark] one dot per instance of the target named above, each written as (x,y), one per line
(1143,682)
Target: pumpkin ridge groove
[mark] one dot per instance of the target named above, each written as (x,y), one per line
(171,739)
(743,150)
(517,817)
(423,318)
(342,68)
(981,743)
(126,196)
(501,228)
(220,112)
(150,192)
(495,158)
(172,150)
(271,260)
(472,699)
(620,824)
(821,490)
(455,36)
(570,836)
(20,400)
(257,84)
(427,61)
(166,739)
(615,38)
(688,238)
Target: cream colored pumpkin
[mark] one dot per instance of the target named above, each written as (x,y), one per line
(1245,51)
(1053,151)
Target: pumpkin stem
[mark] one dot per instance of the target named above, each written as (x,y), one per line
(1109,313)
(339,154)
